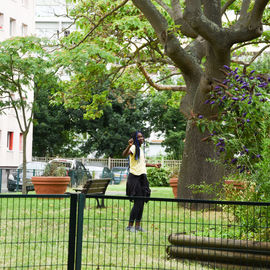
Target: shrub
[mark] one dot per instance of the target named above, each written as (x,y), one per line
(158,177)
(242,121)
(54,169)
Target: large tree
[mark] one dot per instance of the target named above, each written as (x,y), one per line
(24,67)
(53,130)
(168,38)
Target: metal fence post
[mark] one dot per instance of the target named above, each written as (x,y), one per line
(0,180)
(81,203)
(72,231)
(18,180)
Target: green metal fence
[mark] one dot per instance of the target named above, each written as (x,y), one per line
(0,180)
(70,232)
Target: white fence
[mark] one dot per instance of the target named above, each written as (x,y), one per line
(116,162)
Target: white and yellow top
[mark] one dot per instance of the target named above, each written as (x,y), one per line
(137,167)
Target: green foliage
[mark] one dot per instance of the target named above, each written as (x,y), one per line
(158,177)
(261,175)
(55,169)
(262,63)
(164,116)
(24,66)
(109,134)
(243,118)
(253,219)
(87,85)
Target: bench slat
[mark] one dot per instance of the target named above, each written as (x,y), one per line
(94,186)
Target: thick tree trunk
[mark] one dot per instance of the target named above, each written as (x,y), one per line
(195,167)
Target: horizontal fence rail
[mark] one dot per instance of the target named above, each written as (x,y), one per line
(34,231)
(116,162)
(71,232)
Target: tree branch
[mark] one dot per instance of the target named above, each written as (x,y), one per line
(97,25)
(252,59)
(246,44)
(170,43)
(159,87)
(250,26)
(226,5)
(166,7)
(209,30)
(257,13)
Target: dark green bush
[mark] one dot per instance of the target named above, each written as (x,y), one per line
(158,177)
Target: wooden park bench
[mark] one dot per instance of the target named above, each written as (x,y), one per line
(95,187)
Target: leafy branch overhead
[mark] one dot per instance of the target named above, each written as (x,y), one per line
(147,42)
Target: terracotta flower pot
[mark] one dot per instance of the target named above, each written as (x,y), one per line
(50,184)
(238,185)
(174,183)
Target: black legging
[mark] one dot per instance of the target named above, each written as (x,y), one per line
(137,186)
(136,211)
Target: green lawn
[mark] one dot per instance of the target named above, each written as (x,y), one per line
(34,232)
(157,192)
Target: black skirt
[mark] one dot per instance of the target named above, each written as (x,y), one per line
(137,185)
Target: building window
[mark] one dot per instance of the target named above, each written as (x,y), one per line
(12,27)
(10,140)
(21,142)
(24,30)
(1,21)
(25,3)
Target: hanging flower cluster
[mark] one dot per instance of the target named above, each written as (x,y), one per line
(243,121)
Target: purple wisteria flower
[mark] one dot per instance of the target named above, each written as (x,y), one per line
(235,98)
(212,102)
(258,94)
(200,116)
(234,160)
(207,101)
(243,169)
(226,67)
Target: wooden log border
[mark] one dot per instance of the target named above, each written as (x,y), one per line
(228,251)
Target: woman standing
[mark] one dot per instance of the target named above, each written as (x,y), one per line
(137,183)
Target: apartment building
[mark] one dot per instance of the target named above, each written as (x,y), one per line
(16,19)
(51,19)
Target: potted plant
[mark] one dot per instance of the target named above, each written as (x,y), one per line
(53,181)
(174,181)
